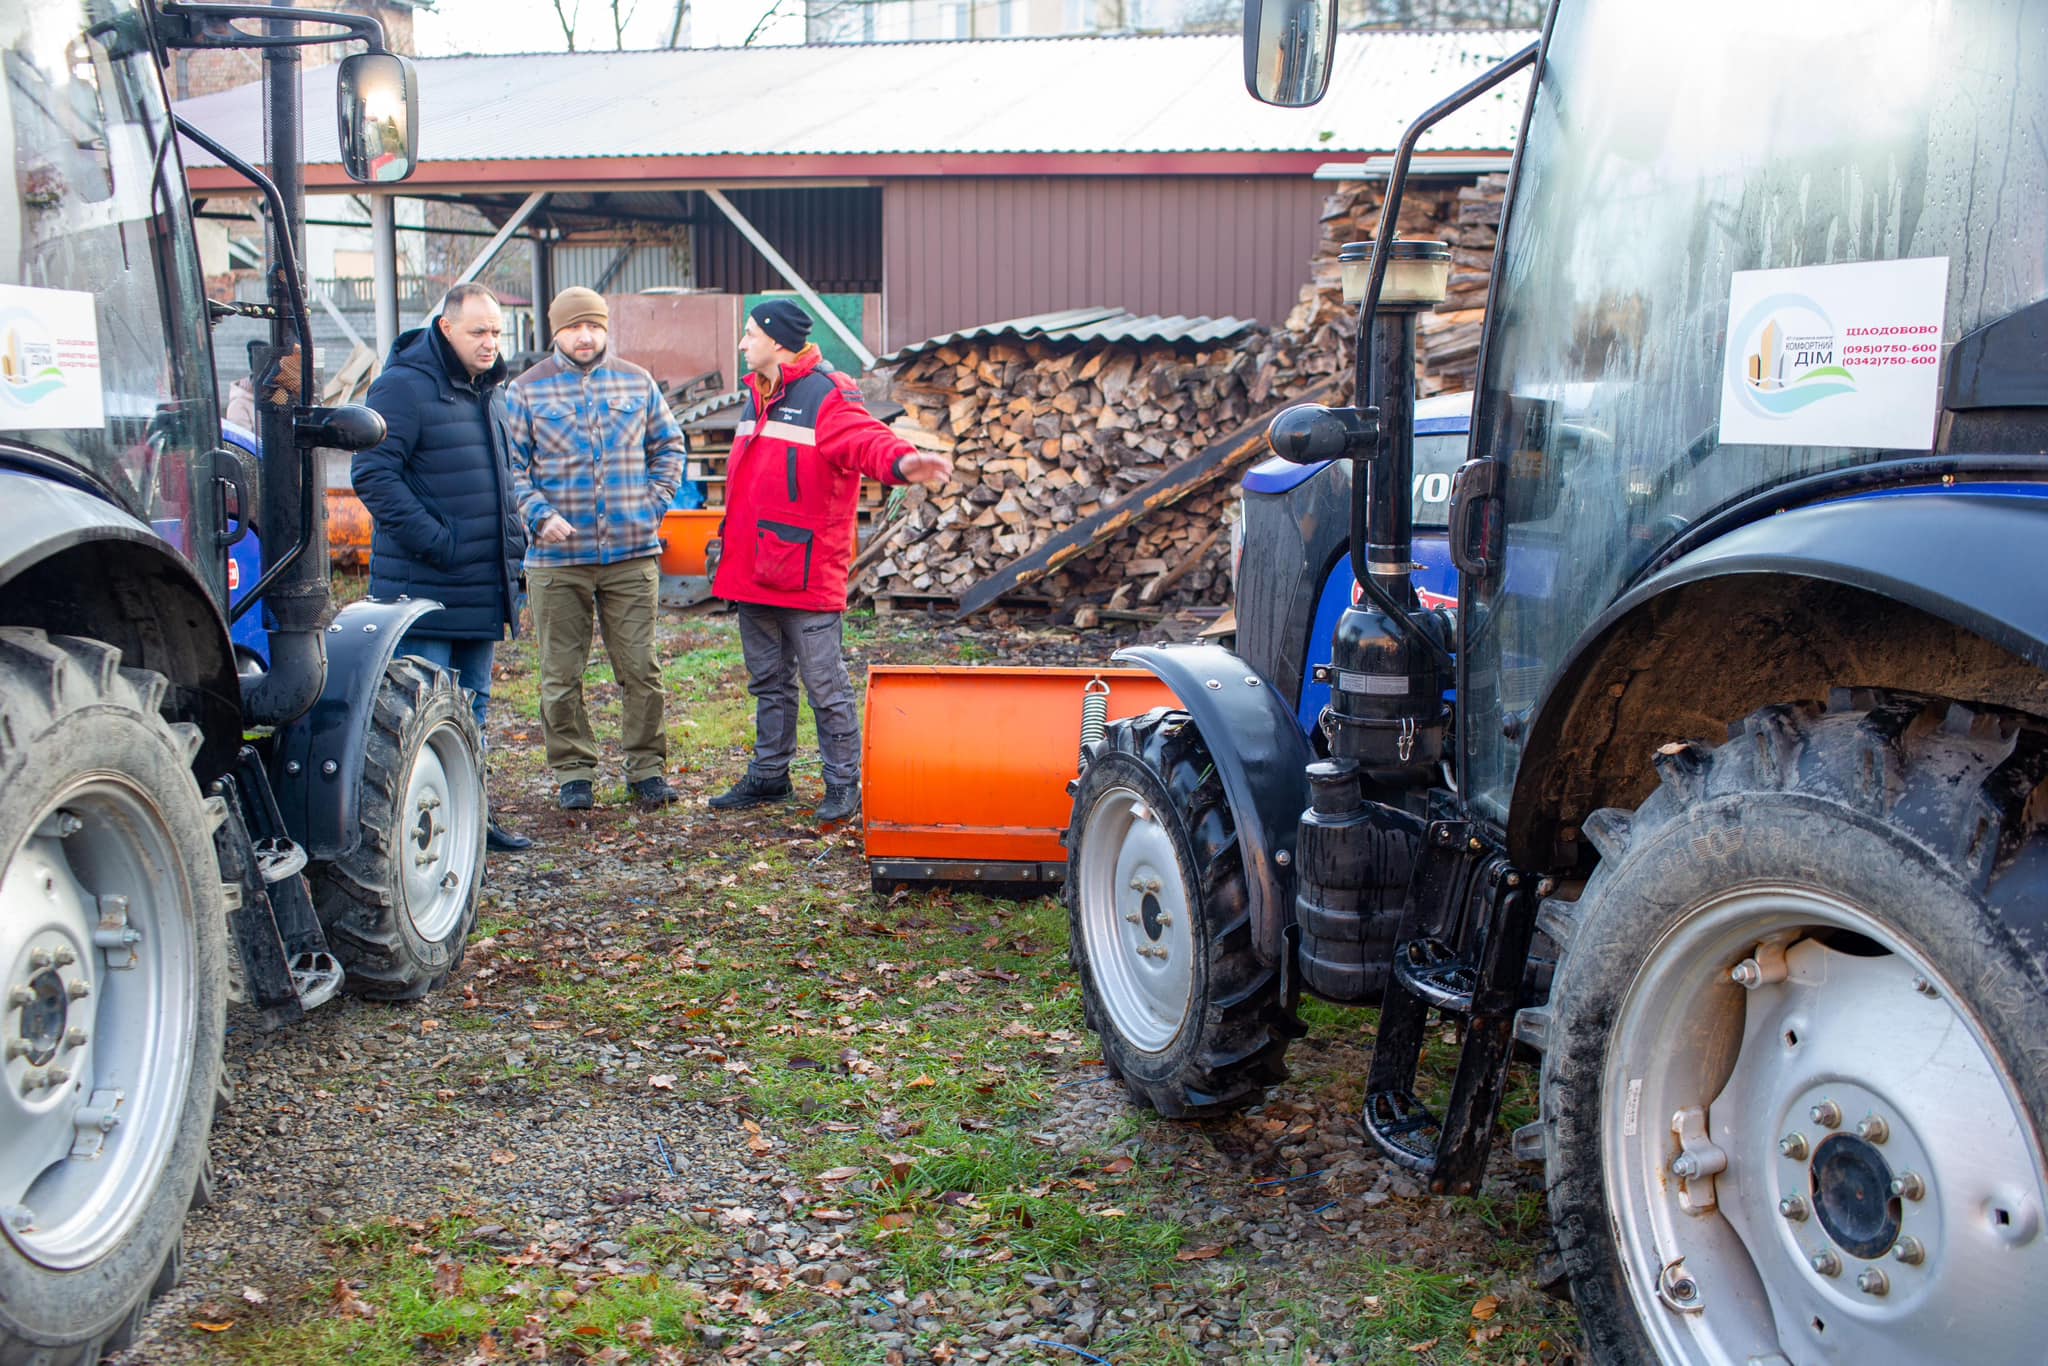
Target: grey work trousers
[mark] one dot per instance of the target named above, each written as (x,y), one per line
(778,644)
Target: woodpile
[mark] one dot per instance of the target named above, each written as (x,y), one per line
(1044,433)
(1466,216)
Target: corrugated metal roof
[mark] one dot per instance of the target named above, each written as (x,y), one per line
(1166,94)
(1084,325)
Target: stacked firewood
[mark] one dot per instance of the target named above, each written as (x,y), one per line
(1045,433)
(1467,217)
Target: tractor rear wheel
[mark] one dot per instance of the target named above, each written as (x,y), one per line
(1160,925)
(1794,1090)
(113,966)
(398,909)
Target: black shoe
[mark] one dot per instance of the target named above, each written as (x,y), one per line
(842,803)
(655,793)
(751,791)
(499,840)
(576,796)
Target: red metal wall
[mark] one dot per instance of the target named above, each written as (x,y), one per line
(960,251)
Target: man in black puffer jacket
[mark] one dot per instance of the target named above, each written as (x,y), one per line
(438,489)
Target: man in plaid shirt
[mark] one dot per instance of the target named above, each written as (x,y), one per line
(596,459)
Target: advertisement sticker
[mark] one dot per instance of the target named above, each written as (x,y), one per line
(1845,355)
(49,360)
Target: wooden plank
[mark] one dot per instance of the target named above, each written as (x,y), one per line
(1220,457)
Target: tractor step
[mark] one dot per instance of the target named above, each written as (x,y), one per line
(316,977)
(1405,1130)
(279,858)
(1432,970)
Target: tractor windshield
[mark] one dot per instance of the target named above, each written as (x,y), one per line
(104,361)
(1742,237)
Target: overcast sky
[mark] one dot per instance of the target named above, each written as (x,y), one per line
(455,26)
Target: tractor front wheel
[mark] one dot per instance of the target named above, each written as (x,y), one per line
(1160,925)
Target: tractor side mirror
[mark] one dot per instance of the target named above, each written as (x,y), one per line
(379,113)
(1289,47)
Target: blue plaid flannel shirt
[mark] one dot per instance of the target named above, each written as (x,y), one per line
(599,448)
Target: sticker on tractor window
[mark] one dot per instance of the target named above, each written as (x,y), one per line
(1845,355)
(49,360)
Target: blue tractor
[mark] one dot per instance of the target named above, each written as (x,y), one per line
(1723,788)
(212,784)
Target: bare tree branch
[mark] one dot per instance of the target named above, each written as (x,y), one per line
(675,28)
(567,19)
(622,15)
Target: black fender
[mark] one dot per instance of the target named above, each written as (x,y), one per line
(1262,758)
(73,563)
(1971,561)
(316,766)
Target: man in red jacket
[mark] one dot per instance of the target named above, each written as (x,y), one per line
(792,485)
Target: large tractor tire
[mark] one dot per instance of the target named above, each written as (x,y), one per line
(1795,1086)
(1160,925)
(399,909)
(113,973)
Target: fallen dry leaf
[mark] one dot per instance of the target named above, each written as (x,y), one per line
(839,1174)
(501,1158)
(1486,1308)
(203,1326)
(1199,1254)
(1119,1167)
(666,1081)
(447,1278)
(253,1295)
(1418,1348)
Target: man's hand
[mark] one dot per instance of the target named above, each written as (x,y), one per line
(555,530)
(925,467)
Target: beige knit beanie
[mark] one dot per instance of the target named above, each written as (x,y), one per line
(577,304)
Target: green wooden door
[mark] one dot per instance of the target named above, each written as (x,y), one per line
(846,306)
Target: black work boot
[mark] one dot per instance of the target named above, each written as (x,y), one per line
(655,793)
(842,803)
(499,840)
(576,796)
(752,791)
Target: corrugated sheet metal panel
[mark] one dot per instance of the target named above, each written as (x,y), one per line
(652,265)
(833,237)
(962,250)
(1084,325)
(1176,93)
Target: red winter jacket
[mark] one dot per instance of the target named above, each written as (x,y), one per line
(792,484)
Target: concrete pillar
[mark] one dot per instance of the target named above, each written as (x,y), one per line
(384,269)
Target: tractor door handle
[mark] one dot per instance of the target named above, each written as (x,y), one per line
(234,472)
(1475,517)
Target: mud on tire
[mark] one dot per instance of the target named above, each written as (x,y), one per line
(1874,873)
(399,908)
(1160,925)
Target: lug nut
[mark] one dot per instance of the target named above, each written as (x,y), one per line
(1909,1185)
(18,997)
(1793,1146)
(1925,987)
(33,1080)
(57,1077)
(1873,1128)
(1827,1114)
(1685,1167)
(1826,1262)
(41,960)
(64,957)
(1909,1251)
(1871,1281)
(75,1038)
(78,990)
(1793,1208)
(16,1049)
(1747,974)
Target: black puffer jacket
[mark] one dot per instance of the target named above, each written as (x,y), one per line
(439,491)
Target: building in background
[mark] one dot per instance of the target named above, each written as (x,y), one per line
(895,21)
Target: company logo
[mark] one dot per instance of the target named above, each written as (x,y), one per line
(1786,354)
(29,371)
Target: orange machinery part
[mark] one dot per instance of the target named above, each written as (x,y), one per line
(971,765)
(685,532)
(348,530)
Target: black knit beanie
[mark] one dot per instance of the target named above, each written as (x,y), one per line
(786,325)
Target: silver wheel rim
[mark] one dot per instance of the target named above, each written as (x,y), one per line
(1136,920)
(442,837)
(1921,1237)
(99,1022)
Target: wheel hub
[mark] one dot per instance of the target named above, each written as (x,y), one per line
(41,1029)
(1852,1196)
(1138,916)
(1148,912)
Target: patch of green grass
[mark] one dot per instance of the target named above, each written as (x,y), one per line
(405,1291)
(1448,1312)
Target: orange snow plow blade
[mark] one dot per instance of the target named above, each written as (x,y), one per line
(348,530)
(686,537)
(964,770)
